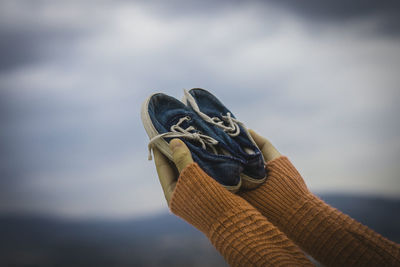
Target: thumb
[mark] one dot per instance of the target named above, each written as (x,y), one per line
(268,150)
(180,154)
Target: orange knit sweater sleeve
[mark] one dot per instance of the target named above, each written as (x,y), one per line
(238,231)
(331,237)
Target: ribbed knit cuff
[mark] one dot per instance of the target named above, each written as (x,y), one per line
(201,200)
(282,190)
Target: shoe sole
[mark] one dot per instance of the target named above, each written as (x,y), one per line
(151,131)
(163,145)
(247,181)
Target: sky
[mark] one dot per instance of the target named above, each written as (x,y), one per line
(319,79)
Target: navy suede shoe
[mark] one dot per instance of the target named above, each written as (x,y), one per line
(233,133)
(165,118)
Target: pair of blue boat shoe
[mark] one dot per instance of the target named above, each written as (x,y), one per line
(218,142)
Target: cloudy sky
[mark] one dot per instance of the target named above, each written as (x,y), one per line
(320,79)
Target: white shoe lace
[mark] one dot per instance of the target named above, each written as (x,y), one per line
(232,128)
(178,131)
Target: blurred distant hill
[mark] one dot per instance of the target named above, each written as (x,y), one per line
(162,240)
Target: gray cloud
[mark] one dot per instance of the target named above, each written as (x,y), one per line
(382,15)
(39,31)
(42,30)
(341,10)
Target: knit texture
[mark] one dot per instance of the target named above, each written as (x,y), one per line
(331,237)
(237,230)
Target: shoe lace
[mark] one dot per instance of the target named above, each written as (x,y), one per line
(228,124)
(177,131)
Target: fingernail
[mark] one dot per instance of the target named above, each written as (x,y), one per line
(175,143)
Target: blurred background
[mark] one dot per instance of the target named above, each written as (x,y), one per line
(320,79)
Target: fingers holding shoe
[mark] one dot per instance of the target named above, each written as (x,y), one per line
(180,153)
(167,173)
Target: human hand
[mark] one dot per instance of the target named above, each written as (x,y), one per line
(267,149)
(168,172)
